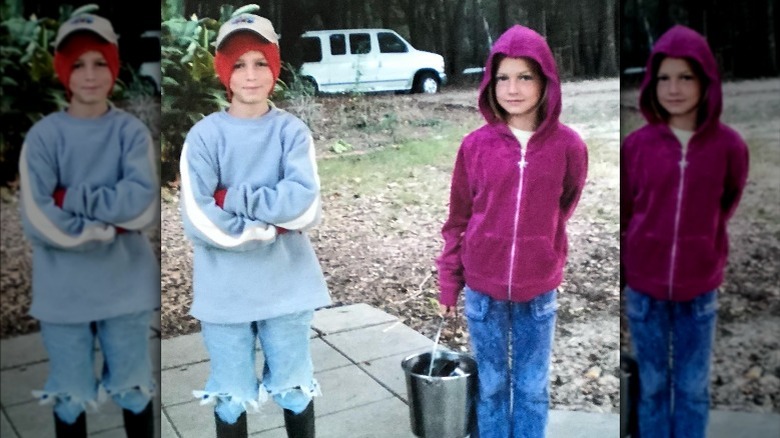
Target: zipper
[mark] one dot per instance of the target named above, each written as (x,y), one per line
(522,165)
(683,164)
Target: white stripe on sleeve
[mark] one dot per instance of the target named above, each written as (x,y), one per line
(149,216)
(310,215)
(44,225)
(203,224)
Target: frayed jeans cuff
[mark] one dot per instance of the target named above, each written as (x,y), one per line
(209,397)
(311,390)
(134,398)
(47,398)
(68,407)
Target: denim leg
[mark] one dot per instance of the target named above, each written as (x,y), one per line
(71,383)
(649,322)
(533,329)
(232,380)
(288,374)
(127,366)
(488,322)
(694,331)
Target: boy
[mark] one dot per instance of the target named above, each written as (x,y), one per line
(89,187)
(249,191)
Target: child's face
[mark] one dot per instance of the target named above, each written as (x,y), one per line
(678,88)
(518,90)
(91,80)
(252,80)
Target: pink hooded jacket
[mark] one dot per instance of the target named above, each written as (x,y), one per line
(506,231)
(674,208)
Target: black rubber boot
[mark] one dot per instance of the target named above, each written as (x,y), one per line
(76,430)
(140,425)
(235,430)
(301,425)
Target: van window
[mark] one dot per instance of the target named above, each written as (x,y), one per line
(311,48)
(390,43)
(359,43)
(338,46)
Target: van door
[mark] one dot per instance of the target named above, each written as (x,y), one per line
(365,61)
(395,71)
(341,71)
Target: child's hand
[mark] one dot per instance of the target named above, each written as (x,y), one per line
(448,311)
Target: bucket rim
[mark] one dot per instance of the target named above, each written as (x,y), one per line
(439,378)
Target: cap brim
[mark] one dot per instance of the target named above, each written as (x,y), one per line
(227,36)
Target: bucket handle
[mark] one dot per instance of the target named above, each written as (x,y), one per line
(436,345)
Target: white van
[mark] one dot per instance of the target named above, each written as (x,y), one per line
(366,60)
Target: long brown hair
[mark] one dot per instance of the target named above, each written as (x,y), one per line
(536,69)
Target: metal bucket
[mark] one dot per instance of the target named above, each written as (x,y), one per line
(441,406)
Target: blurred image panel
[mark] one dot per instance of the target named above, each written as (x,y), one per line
(80,213)
(700,218)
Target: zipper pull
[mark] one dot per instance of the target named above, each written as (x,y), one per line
(522,163)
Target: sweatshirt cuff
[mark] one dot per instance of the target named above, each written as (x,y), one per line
(69,202)
(230,201)
(448,295)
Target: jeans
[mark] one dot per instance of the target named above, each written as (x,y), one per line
(512,343)
(127,368)
(288,373)
(672,343)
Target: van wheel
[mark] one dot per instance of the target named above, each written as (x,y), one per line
(310,85)
(427,83)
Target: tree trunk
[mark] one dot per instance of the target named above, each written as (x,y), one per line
(607,41)
(291,27)
(502,17)
(453,62)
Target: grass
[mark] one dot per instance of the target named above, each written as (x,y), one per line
(416,160)
(601,196)
(760,200)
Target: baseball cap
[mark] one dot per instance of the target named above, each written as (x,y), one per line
(247,22)
(86,22)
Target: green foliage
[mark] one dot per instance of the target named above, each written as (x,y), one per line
(298,93)
(28,88)
(139,98)
(190,87)
(341,147)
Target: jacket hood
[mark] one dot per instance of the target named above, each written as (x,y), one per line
(683,42)
(520,41)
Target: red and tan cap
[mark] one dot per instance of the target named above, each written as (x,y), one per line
(248,22)
(86,23)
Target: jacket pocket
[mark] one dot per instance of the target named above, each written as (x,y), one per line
(648,255)
(536,259)
(696,258)
(545,305)
(705,306)
(486,256)
(475,305)
(637,305)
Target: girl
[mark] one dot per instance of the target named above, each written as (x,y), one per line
(515,184)
(682,176)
